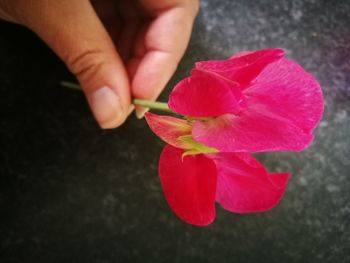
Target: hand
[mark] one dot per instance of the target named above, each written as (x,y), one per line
(117,49)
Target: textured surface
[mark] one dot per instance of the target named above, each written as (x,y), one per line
(70,192)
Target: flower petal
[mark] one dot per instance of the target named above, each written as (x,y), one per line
(241,53)
(189,185)
(244,66)
(168,128)
(287,90)
(251,131)
(284,105)
(244,185)
(205,95)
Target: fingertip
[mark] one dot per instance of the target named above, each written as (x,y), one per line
(152,74)
(106,107)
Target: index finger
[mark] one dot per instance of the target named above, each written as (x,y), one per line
(165,41)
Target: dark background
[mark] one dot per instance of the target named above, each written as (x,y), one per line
(70,192)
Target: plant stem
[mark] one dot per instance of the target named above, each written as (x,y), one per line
(153,105)
(71,85)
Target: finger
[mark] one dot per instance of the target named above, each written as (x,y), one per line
(131,17)
(165,42)
(73,30)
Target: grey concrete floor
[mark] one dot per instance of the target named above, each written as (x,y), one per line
(70,192)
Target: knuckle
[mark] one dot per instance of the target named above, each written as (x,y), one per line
(86,64)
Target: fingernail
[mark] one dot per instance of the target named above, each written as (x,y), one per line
(140,112)
(131,109)
(105,105)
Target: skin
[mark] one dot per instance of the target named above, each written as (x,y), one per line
(117,49)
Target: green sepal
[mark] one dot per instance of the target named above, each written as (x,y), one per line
(193,147)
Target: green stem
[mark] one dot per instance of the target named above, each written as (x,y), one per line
(70,85)
(153,105)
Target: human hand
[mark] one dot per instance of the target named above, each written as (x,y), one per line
(117,49)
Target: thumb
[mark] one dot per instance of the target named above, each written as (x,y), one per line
(73,30)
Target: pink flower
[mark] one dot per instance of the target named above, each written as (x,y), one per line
(194,176)
(260,102)
(252,102)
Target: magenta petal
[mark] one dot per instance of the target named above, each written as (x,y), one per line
(240,54)
(252,131)
(243,67)
(244,185)
(290,92)
(204,95)
(168,128)
(189,185)
(284,105)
